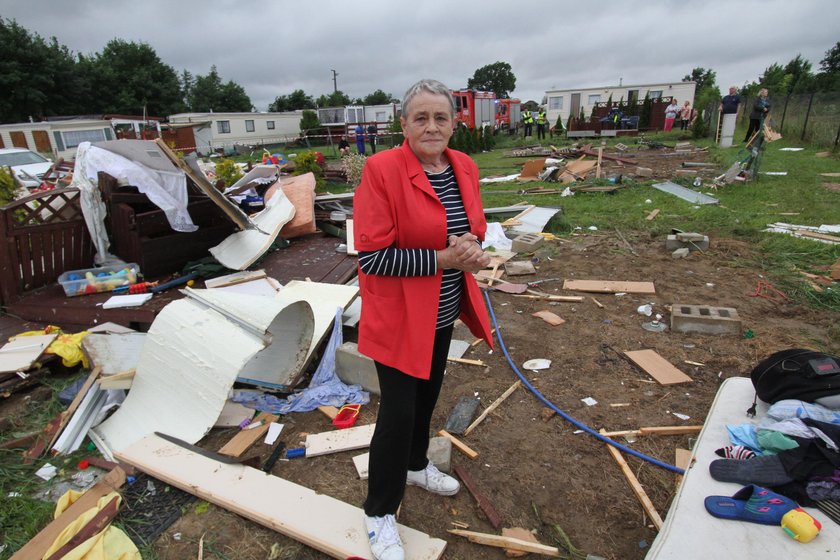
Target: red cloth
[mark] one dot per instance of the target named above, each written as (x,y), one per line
(395,205)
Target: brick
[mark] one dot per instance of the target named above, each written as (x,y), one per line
(680,253)
(705,319)
(644,172)
(526,242)
(672,243)
(440,453)
(354,368)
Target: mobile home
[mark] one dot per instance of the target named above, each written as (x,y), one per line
(215,131)
(55,138)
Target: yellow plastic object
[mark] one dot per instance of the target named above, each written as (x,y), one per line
(800,525)
(68,346)
(110,544)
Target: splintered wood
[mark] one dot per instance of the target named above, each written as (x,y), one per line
(608,286)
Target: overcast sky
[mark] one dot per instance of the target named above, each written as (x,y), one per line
(272,48)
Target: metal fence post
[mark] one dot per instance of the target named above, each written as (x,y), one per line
(784,112)
(837,138)
(807,114)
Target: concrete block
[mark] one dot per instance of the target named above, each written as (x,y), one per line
(526,242)
(672,243)
(354,368)
(440,453)
(705,319)
(644,172)
(680,253)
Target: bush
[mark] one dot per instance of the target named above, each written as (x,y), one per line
(353,165)
(8,188)
(698,129)
(308,162)
(228,171)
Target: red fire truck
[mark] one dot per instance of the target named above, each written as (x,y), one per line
(508,114)
(475,108)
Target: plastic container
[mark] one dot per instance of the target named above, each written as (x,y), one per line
(346,416)
(96,280)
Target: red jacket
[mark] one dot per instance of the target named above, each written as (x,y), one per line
(395,205)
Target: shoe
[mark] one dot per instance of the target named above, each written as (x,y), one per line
(433,480)
(385,543)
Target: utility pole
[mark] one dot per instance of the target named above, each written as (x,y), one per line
(335,84)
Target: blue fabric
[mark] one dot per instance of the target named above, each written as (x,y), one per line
(744,434)
(325,389)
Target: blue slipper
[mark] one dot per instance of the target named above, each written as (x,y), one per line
(751,503)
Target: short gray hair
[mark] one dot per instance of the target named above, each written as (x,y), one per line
(427,86)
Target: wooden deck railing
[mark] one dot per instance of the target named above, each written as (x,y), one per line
(41,236)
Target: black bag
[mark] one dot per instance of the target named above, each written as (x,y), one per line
(799,374)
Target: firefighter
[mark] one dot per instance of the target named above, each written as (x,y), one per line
(542,120)
(528,121)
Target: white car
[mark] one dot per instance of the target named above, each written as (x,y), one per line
(28,166)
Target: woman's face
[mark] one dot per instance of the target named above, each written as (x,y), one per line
(429,124)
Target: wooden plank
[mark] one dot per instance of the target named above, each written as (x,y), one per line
(330,411)
(658,367)
(459,445)
(492,407)
(244,439)
(817,235)
(20,353)
(336,441)
(682,459)
(351,242)
(670,430)
(71,410)
(317,520)
(122,380)
(652,215)
(609,286)
(509,543)
(636,486)
(466,361)
(485,505)
(40,543)
(598,303)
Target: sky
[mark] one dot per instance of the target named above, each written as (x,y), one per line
(272,48)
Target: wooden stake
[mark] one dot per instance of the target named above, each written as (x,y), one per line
(598,303)
(568,299)
(598,166)
(492,407)
(652,214)
(634,484)
(459,445)
(507,542)
(485,505)
(465,361)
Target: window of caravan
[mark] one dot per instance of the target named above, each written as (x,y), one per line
(223,127)
(249,125)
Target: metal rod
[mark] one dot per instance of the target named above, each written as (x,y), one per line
(784,111)
(807,114)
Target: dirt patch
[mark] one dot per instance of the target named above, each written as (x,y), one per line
(541,473)
(834,187)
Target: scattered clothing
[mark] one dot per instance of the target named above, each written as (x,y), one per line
(735,452)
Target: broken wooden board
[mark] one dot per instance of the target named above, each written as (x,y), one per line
(532,168)
(336,441)
(485,505)
(522,534)
(609,286)
(652,215)
(658,367)
(637,488)
(682,460)
(122,380)
(239,250)
(493,406)
(317,520)
(519,268)
(351,242)
(113,353)
(461,415)
(244,439)
(459,445)
(509,542)
(234,278)
(40,543)
(23,351)
(549,317)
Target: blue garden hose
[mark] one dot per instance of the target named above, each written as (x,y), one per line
(571,419)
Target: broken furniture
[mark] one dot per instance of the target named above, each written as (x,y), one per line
(140,232)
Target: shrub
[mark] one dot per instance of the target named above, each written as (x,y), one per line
(228,171)
(308,162)
(8,187)
(698,129)
(353,165)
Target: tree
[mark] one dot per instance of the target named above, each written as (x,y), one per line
(647,112)
(335,99)
(234,99)
(703,77)
(378,97)
(309,121)
(828,78)
(187,82)
(131,78)
(292,102)
(794,77)
(497,77)
(210,94)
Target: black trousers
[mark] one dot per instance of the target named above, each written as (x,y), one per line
(401,438)
(373,144)
(528,129)
(755,124)
(540,131)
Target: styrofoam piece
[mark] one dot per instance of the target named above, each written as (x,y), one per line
(537,363)
(192,355)
(685,194)
(239,250)
(114,353)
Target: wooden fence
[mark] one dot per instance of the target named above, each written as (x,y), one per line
(42,236)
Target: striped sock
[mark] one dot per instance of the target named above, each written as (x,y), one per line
(735,452)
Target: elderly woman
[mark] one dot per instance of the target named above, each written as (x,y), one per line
(418,226)
(760,109)
(671,112)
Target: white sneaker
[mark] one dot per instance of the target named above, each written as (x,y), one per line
(433,480)
(384,539)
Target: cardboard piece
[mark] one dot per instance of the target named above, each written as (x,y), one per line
(317,520)
(658,367)
(300,190)
(22,352)
(609,286)
(532,168)
(549,317)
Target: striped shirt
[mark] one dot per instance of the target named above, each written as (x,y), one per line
(391,261)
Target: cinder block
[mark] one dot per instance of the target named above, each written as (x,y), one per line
(440,453)
(526,242)
(644,172)
(680,253)
(356,369)
(705,319)
(673,243)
